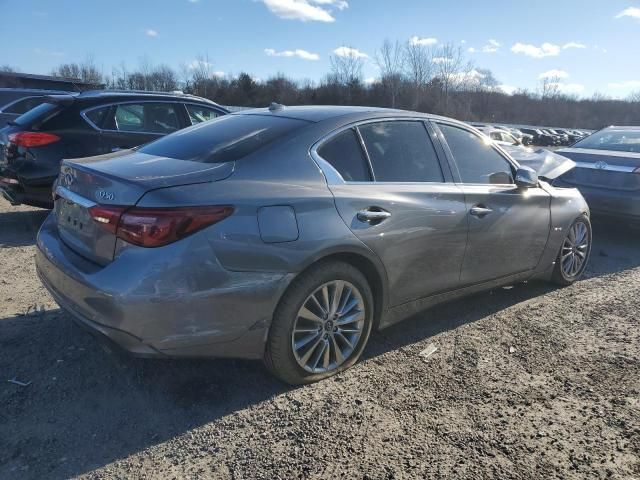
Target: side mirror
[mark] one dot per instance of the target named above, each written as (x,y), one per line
(526,177)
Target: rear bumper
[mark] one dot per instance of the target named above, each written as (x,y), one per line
(606,202)
(174,301)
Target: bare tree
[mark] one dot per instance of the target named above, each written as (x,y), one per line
(550,88)
(85,71)
(451,69)
(418,67)
(7,68)
(346,69)
(389,60)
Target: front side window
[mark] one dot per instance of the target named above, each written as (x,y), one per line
(345,154)
(148,117)
(401,151)
(477,161)
(199,113)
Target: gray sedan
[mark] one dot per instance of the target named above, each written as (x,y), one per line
(289,234)
(607,171)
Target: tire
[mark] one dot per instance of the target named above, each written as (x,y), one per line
(560,274)
(288,363)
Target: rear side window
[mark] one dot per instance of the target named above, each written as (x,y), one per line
(345,154)
(97,115)
(224,139)
(24,105)
(199,113)
(477,161)
(146,117)
(401,152)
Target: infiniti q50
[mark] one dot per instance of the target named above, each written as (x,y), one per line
(290,234)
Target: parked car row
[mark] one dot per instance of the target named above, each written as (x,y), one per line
(540,136)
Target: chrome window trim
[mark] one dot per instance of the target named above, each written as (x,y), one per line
(332,175)
(67,194)
(83,113)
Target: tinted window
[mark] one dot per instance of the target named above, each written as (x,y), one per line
(345,154)
(24,105)
(401,152)
(146,118)
(612,139)
(477,161)
(37,114)
(97,115)
(199,114)
(224,139)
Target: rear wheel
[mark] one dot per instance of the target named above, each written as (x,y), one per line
(574,253)
(321,325)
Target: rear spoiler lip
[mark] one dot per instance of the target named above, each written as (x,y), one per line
(64,100)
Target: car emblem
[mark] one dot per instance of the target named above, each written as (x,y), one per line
(105,195)
(601,165)
(68,179)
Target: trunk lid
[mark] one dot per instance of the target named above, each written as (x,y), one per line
(117,179)
(612,170)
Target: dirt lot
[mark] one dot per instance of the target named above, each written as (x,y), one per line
(527,382)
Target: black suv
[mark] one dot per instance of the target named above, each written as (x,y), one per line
(87,124)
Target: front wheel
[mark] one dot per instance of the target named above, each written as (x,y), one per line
(574,253)
(321,325)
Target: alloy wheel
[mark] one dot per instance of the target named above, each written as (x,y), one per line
(575,250)
(328,327)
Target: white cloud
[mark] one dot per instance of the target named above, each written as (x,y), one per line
(371,80)
(470,77)
(633,12)
(207,65)
(508,89)
(150,32)
(573,45)
(554,74)
(544,50)
(492,46)
(350,52)
(415,40)
(626,85)
(298,52)
(471,50)
(305,10)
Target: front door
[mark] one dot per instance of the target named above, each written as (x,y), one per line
(508,226)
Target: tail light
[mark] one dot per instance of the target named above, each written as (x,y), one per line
(155,227)
(32,139)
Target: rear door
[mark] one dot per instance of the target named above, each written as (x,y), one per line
(131,124)
(394,194)
(508,226)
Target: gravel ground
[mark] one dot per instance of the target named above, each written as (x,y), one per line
(527,382)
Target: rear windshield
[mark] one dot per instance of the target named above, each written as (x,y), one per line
(38,113)
(224,139)
(612,139)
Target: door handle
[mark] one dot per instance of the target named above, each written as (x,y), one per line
(479,211)
(373,214)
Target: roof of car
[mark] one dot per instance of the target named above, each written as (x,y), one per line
(118,95)
(318,113)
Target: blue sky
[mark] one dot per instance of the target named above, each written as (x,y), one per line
(592,45)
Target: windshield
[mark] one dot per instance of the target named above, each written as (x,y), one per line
(620,140)
(40,112)
(224,139)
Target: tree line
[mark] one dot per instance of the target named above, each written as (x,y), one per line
(414,76)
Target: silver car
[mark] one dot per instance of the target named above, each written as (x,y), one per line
(289,234)
(607,171)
